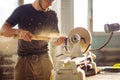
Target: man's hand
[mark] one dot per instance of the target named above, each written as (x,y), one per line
(23,34)
(7,30)
(60,40)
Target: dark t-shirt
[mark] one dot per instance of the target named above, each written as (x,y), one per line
(37,22)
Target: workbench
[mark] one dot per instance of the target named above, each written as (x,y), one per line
(105,75)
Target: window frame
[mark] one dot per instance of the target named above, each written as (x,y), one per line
(90,21)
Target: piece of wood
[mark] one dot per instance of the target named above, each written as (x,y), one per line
(36,37)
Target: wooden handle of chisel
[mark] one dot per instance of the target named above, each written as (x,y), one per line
(36,37)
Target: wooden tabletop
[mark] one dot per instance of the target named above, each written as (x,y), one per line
(106,74)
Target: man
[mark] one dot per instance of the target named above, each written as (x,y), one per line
(32,19)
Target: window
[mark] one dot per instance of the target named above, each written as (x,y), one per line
(80,13)
(105,12)
(6,8)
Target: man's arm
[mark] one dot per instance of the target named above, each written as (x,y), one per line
(7,30)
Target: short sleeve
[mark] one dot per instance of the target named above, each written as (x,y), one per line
(14,18)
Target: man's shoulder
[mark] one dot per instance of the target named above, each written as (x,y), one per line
(25,6)
(50,11)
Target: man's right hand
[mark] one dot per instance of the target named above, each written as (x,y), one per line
(23,34)
(7,30)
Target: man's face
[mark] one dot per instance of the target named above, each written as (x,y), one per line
(46,3)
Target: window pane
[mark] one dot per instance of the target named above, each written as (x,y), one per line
(105,11)
(80,13)
(6,8)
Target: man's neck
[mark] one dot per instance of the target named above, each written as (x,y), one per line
(35,4)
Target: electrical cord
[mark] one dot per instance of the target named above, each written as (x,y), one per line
(110,37)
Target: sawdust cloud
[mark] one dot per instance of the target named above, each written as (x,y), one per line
(7,45)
